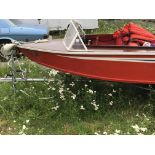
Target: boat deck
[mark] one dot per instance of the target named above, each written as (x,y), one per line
(50,45)
(57,46)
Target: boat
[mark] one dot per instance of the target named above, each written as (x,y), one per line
(94,56)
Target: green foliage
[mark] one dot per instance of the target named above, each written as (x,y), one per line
(68,104)
(110,26)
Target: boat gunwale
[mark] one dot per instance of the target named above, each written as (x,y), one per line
(92,52)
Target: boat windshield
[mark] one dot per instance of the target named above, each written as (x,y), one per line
(73,38)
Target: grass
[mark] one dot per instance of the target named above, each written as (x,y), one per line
(76,105)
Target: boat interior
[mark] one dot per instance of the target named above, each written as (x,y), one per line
(76,38)
(106,40)
(99,40)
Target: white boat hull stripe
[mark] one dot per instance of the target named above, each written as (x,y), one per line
(150,60)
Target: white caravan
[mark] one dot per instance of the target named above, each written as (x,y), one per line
(56,24)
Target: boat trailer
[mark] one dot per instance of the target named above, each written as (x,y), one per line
(16,74)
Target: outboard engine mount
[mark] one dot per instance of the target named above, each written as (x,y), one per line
(7,49)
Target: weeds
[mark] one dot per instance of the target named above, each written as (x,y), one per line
(71,104)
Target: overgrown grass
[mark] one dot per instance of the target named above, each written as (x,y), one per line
(69,104)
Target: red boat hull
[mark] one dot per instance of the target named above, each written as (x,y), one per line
(120,71)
